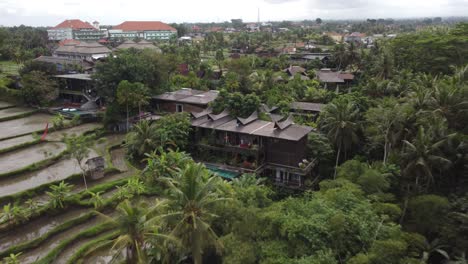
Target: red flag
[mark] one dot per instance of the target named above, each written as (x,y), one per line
(45,132)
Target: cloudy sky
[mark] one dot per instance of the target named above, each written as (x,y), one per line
(52,12)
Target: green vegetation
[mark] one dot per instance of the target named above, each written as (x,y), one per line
(38,90)
(171,131)
(390,153)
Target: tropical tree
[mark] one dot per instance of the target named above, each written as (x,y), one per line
(38,89)
(385,124)
(137,224)
(59,193)
(164,164)
(12,259)
(131,95)
(340,122)
(219,59)
(191,199)
(421,156)
(142,139)
(78,148)
(171,131)
(96,199)
(7,214)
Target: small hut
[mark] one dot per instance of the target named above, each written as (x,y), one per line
(95,167)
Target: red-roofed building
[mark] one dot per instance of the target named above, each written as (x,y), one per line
(149,30)
(69,42)
(75,29)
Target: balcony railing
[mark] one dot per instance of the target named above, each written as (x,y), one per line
(296,170)
(229,148)
(294,184)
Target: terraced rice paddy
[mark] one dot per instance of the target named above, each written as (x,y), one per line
(52,235)
(25,125)
(56,172)
(18,159)
(53,136)
(37,228)
(14,111)
(4,105)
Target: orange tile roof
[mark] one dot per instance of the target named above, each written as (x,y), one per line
(143,26)
(74,24)
(68,42)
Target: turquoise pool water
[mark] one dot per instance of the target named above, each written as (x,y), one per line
(223,173)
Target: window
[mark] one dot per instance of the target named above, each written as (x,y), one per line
(179,108)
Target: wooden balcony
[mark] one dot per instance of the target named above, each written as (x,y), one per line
(232,149)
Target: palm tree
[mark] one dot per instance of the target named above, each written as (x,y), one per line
(166,164)
(7,214)
(59,193)
(339,121)
(12,259)
(247,180)
(191,199)
(137,225)
(142,139)
(421,156)
(449,100)
(431,248)
(96,199)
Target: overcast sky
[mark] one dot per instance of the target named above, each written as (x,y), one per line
(52,12)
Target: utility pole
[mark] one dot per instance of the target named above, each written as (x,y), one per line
(258,16)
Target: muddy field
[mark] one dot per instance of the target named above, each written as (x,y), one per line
(24,125)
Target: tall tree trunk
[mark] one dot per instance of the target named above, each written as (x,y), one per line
(337,160)
(126,128)
(83,173)
(139,110)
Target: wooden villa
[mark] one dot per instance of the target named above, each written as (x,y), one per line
(273,149)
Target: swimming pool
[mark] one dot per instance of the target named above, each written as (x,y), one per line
(227,174)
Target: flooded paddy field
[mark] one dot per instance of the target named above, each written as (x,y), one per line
(36,254)
(53,136)
(4,105)
(37,228)
(14,111)
(50,225)
(24,125)
(55,172)
(18,159)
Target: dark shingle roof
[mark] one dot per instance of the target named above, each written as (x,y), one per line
(307,106)
(65,61)
(329,76)
(286,130)
(205,112)
(143,44)
(293,70)
(245,121)
(83,48)
(187,95)
(284,124)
